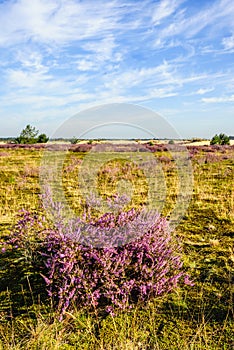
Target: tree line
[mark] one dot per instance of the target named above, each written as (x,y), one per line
(30,135)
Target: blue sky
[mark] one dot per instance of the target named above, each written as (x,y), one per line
(59,57)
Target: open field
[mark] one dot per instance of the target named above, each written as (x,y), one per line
(198,317)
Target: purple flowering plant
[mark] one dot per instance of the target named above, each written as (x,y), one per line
(106,263)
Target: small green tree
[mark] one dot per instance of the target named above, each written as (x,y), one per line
(74,140)
(220,139)
(224,139)
(42,138)
(215,140)
(28,135)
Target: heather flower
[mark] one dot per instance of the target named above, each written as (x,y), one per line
(106,263)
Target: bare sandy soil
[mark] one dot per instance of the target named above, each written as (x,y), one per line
(204,143)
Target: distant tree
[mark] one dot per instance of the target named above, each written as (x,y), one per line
(225,140)
(42,138)
(74,140)
(29,135)
(215,140)
(220,139)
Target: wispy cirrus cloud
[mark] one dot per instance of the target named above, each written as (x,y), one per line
(203,91)
(188,26)
(228,42)
(222,99)
(164,9)
(60,56)
(55,21)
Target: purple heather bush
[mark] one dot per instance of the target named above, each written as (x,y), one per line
(106,263)
(81,148)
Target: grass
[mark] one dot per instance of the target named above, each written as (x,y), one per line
(200,317)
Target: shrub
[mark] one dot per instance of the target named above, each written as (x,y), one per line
(104,264)
(29,136)
(42,138)
(220,139)
(74,140)
(197,139)
(150,143)
(84,147)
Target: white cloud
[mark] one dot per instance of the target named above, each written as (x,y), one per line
(49,21)
(219,15)
(103,48)
(29,58)
(86,65)
(204,91)
(60,22)
(228,42)
(151,76)
(164,9)
(218,99)
(99,52)
(162,93)
(27,79)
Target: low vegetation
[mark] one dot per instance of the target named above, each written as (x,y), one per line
(184,317)
(29,135)
(220,139)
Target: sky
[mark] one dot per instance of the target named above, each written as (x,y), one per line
(63,57)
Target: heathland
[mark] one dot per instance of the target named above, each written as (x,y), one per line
(190,317)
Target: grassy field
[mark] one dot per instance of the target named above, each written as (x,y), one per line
(198,317)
